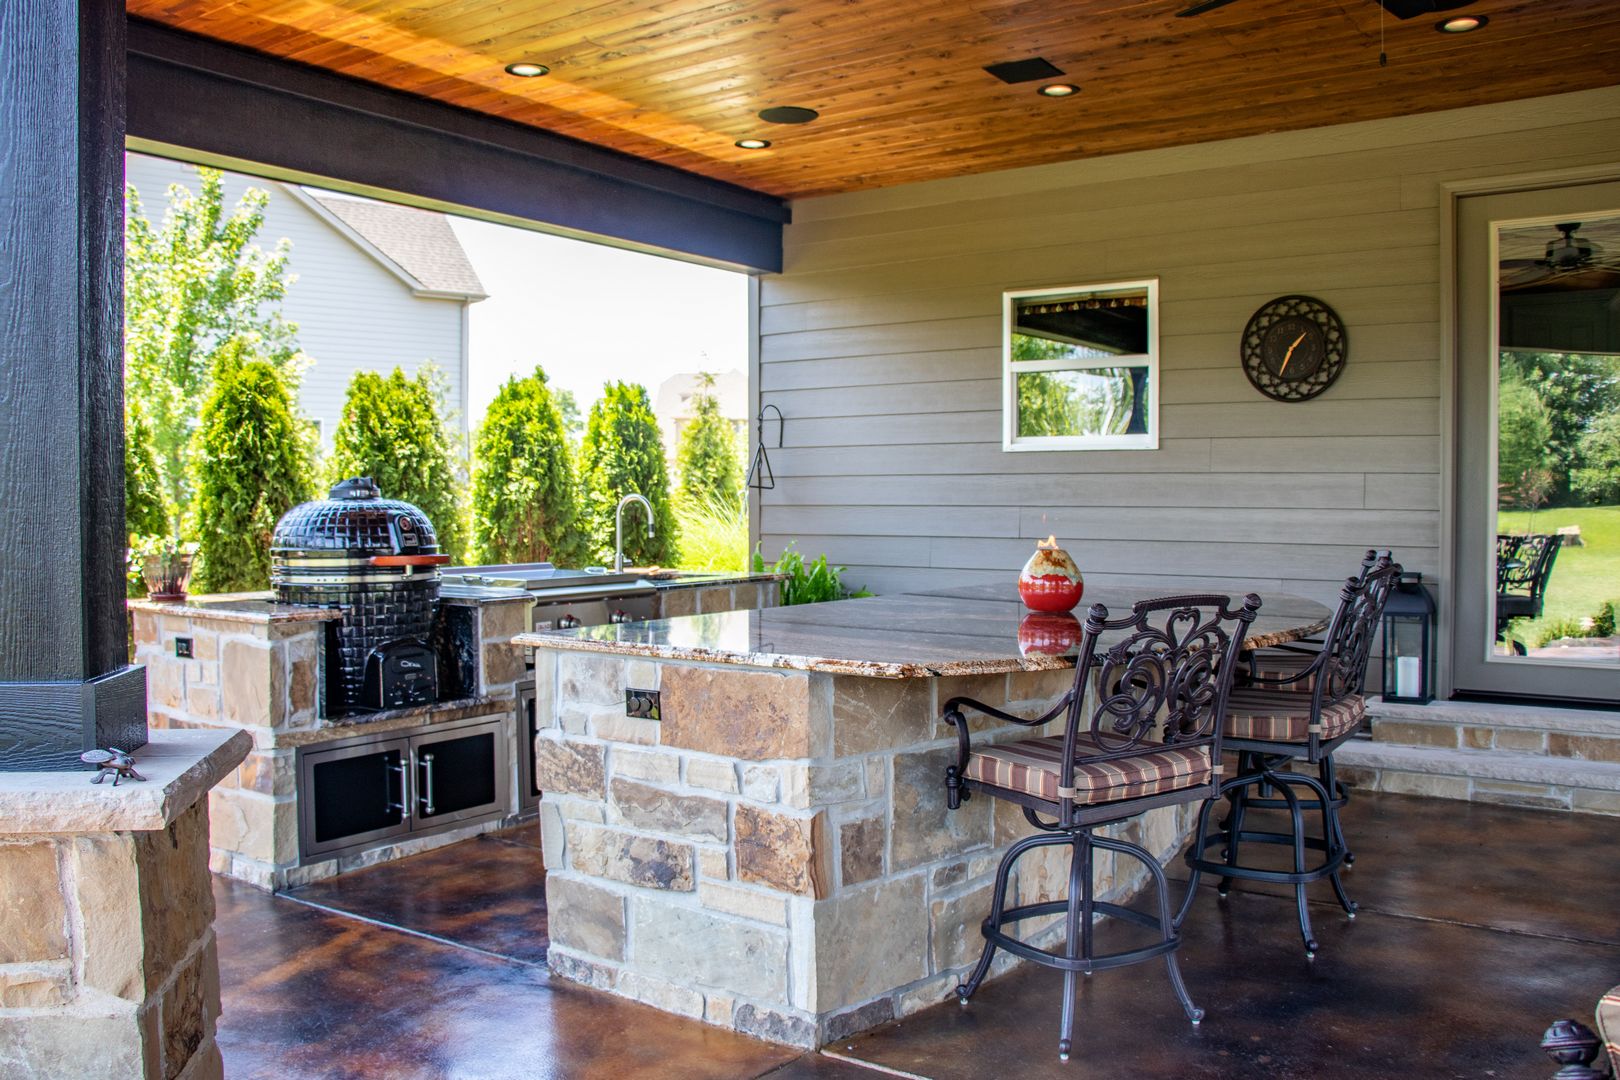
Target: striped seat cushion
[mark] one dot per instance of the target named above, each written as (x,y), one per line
(1608,1021)
(1254,712)
(1031,766)
(1277,664)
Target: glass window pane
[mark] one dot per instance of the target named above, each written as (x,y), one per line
(1092,324)
(1095,401)
(1558,442)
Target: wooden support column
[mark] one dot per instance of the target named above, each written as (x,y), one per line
(65,684)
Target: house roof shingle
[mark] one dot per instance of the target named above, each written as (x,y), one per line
(420,242)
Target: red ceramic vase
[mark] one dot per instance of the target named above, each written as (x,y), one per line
(1051,632)
(1050,581)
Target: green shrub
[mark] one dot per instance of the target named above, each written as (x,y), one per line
(714,535)
(1603,621)
(806,583)
(255,460)
(393,430)
(524,502)
(144,514)
(1597,478)
(623,453)
(707,458)
(1558,629)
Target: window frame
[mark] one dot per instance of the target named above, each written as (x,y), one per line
(1010,369)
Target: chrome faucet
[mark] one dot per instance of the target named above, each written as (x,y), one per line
(618,528)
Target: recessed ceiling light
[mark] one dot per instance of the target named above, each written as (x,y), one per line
(1058,89)
(787,114)
(1461,24)
(527,69)
(752,144)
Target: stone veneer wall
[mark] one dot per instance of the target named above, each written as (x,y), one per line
(108,965)
(776,855)
(707,597)
(259,675)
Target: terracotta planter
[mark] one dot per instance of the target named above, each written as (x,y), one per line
(1050,581)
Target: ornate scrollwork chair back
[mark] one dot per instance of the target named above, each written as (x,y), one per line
(1347,645)
(1300,712)
(1141,729)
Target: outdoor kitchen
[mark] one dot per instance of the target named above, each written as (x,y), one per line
(391,709)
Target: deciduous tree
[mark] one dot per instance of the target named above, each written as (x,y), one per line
(195,285)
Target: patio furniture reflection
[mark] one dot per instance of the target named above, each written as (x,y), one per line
(1523,567)
(1271,724)
(1152,737)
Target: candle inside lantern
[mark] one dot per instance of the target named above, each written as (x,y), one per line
(1050,581)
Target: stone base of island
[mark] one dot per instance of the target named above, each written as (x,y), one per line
(773,853)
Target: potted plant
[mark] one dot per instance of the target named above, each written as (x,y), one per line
(165,567)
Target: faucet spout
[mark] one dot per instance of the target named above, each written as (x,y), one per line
(618,527)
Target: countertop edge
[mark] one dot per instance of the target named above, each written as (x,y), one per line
(870,669)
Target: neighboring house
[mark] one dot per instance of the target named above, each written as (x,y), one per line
(378,285)
(672,404)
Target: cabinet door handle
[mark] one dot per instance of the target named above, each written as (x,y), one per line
(403,806)
(427,784)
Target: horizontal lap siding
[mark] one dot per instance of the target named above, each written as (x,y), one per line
(880,344)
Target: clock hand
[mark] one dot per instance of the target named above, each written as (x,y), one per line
(1289,355)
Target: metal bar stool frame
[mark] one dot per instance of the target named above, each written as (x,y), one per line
(1177,674)
(1335,676)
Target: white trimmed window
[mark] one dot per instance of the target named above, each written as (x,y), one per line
(1081,367)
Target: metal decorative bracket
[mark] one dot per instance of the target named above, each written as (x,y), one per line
(760,476)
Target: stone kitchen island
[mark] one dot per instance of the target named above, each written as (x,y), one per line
(766,845)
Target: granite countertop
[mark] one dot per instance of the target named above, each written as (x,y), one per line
(971,630)
(253,607)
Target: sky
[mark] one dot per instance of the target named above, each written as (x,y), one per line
(588,313)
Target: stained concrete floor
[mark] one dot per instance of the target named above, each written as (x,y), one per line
(1479,926)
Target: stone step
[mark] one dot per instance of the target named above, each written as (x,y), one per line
(1499,776)
(1581,734)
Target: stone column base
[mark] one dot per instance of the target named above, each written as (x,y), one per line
(108,965)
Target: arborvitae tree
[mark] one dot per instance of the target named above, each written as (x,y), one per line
(524,504)
(255,461)
(393,430)
(143,488)
(707,459)
(623,452)
(195,286)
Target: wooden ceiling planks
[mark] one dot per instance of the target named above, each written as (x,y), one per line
(899,82)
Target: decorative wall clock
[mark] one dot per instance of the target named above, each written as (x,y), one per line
(1293,348)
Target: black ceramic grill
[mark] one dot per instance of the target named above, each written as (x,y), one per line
(377,560)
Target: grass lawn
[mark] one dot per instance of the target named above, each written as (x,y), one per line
(1583,577)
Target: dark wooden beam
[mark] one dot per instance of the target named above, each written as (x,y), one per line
(235,105)
(65,685)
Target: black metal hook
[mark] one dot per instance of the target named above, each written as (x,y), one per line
(760,475)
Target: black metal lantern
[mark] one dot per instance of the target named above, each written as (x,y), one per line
(1409,642)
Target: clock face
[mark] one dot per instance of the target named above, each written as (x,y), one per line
(1293,348)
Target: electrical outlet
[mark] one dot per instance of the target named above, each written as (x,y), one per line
(643,704)
(182,648)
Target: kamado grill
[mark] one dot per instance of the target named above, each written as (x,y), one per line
(377,560)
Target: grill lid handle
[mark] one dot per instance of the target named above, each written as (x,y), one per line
(356,488)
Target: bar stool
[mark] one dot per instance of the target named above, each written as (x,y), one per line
(1270,724)
(1153,738)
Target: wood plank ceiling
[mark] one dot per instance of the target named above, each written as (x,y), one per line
(899,83)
